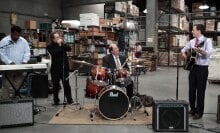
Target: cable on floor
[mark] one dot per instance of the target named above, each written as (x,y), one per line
(201,126)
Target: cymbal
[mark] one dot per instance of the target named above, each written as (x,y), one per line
(136,60)
(139,66)
(84,63)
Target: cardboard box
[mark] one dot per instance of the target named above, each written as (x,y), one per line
(30,24)
(103,22)
(198,22)
(94,29)
(35,42)
(116,20)
(178,4)
(185,24)
(210,25)
(95,55)
(42,44)
(111,36)
(173,41)
(218,41)
(195,8)
(218,26)
(118,6)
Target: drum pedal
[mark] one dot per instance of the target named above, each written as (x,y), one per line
(91,116)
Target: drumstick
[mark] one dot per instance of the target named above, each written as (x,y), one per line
(124,63)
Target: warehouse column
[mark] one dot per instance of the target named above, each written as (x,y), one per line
(151,23)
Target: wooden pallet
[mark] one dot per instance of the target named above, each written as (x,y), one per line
(149,63)
(214,81)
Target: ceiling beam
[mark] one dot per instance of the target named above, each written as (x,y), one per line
(73,3)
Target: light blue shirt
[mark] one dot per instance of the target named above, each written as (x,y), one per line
(207,47)
(16,52)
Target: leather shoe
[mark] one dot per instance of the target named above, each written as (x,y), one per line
(55,104)
(192,113)
(197,116)
(70,102)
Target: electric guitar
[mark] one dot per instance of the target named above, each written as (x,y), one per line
(191,57)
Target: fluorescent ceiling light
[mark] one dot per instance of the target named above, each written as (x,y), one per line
(204,6)
(145,11)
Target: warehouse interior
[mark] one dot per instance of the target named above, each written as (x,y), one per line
(162,28)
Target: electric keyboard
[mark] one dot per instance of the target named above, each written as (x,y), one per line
(23,67)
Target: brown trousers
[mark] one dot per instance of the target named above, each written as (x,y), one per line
(16,78)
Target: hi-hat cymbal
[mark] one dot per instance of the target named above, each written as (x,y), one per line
(84,63)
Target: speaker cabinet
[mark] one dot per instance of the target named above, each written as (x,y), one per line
(16,113)
(218,109)
(39,86)
(170,115)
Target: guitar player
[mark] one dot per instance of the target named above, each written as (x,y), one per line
(199,71)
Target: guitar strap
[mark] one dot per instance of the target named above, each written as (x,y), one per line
(205,46)
(204,41)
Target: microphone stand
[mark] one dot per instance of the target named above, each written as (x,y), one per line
(76,73)
(177,73)
(78,105)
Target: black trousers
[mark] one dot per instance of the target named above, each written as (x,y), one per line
(56,77)
(129,85)
(129,89)
(197,86)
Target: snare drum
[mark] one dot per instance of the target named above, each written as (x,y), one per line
(113,102)
(100,76)
(92,89)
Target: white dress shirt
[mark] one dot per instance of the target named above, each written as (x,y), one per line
(207,47)
(117,62)
(16,52)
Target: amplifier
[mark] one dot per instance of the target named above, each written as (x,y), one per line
(170,115)
(218,109)
(16,112)
(39,86)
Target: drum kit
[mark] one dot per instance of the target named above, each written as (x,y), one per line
(108,88)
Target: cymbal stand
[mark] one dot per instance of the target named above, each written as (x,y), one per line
(136,80)
(135,101)
(77,104)
(112,76)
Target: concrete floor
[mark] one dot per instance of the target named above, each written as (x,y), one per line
(160,84)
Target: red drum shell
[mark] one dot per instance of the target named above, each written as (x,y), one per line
(99,73)
(122,73)
(92,89)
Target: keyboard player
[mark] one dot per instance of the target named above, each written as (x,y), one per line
(14,49)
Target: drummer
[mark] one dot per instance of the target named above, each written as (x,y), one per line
(115,61)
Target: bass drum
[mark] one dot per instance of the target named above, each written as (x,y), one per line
(113,102)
